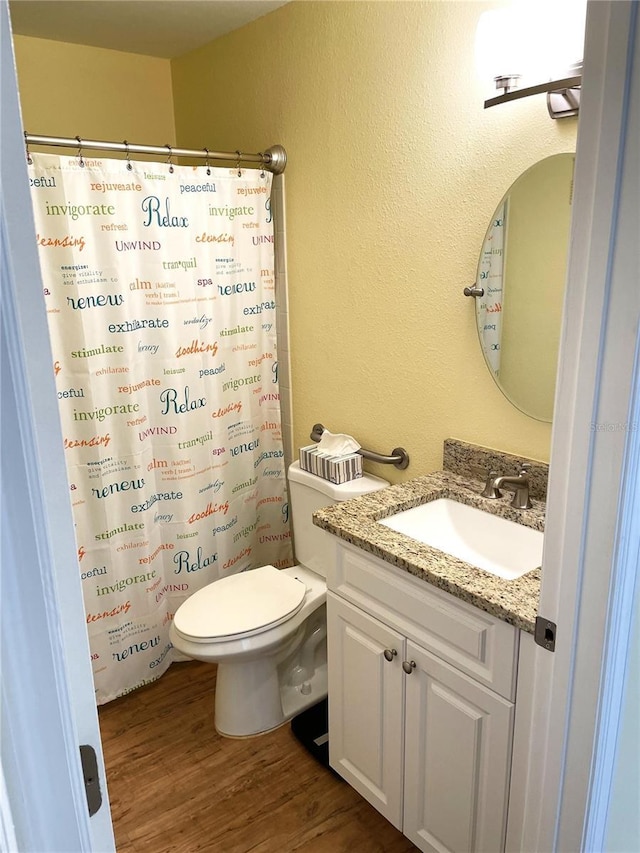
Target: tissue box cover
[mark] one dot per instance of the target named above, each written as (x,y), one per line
(336,469)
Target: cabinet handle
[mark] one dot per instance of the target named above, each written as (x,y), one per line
(408,666)
(390,654)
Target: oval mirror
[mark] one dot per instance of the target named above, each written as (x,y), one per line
(521,271)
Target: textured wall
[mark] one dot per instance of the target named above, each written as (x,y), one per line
(394,172)
(71,90)
(395,169)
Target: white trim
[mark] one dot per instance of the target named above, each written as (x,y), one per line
(40,758)
(8,841)
(525,702)
(624,584)
(594,385)
(48,705)
(620,625)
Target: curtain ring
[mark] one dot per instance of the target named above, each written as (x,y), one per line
(80,158)
(238,156)
(206,160)
(26,147)
(129,166)
(169,158)
(262,174)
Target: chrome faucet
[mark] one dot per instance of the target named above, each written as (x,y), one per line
(520,485)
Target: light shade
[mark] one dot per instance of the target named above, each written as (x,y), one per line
(536,39)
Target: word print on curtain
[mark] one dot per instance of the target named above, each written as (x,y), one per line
(159,288)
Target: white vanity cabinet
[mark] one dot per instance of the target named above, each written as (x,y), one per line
(421,704)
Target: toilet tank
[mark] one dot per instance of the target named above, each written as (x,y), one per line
(307,493)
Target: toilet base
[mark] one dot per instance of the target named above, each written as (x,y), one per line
(250,701)
(266,679)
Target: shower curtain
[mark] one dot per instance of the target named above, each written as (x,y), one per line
(491,278)
(159,285)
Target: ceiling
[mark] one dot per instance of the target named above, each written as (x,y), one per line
(162,28)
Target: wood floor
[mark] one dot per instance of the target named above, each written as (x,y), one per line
(176,786)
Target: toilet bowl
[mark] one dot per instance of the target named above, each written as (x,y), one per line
(252,696)
(266,627)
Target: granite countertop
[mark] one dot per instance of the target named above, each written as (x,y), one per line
(513,601)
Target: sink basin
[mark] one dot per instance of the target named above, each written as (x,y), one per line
(483,540)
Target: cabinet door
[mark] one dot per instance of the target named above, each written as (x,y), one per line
(366,706)
(457,759)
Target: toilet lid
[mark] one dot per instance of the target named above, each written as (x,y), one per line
(240,605)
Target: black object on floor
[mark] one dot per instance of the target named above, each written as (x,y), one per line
(311,728)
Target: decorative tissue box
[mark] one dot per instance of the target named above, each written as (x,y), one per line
(336,469)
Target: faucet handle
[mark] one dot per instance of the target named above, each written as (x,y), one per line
(490,490)
(521,499)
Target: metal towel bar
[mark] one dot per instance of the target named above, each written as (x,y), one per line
(399,456)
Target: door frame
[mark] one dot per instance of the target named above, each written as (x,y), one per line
(45,647)
(592,444)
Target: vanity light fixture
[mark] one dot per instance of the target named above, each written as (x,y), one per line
(541,44)
(563,95)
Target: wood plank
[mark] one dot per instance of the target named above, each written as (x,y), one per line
(176,786)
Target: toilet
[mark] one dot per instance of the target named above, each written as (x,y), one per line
(266,628)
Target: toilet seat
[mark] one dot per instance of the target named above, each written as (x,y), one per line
(240,606)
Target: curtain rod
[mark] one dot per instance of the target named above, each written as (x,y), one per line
(274,158)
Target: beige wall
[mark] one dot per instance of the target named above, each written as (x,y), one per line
(394,171)
(74,90)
